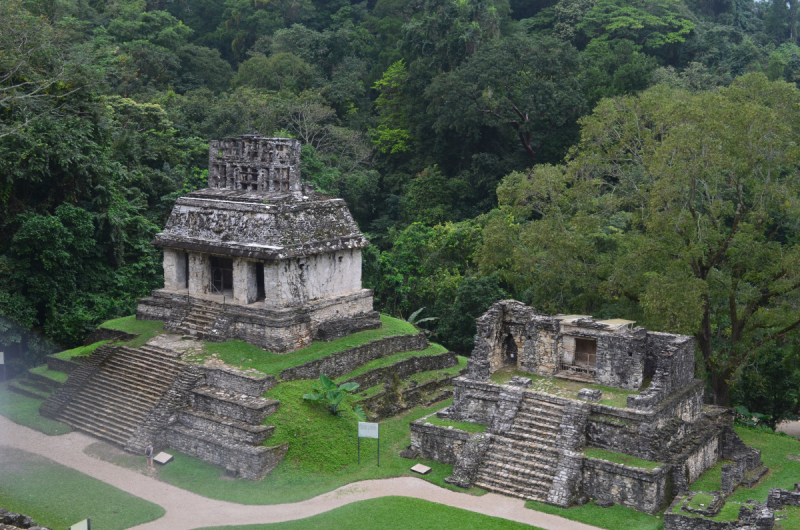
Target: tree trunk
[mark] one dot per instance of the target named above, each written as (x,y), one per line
(793,20)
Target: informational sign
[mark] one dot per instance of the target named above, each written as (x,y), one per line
(367,430)
(86,524)
(163,458)
(2,358)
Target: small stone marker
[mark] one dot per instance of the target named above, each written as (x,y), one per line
(421,469)
(163,458)
(524,382)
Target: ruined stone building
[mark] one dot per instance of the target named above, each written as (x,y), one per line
(259,256)
(537,433)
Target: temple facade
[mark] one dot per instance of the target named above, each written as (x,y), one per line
(260,256)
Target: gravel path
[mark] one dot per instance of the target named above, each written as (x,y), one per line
(186,510)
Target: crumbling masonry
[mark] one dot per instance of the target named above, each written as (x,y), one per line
(259,256)
(534,443)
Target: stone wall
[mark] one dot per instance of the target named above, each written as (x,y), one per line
(237,381)
(778,498)
(61,365)
(338,364)
(438,443)
(278,330)
(246,461)
(394,400)
(474,401)
(249,409)
(107,334)
(671,357)
(405,368)
(641,489)
(759,517)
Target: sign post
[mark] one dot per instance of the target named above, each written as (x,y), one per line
(3,363)
(369,430)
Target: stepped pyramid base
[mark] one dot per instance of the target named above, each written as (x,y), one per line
(276,329)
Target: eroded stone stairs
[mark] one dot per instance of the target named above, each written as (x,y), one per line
(120,395)
(197,322)
(522,462)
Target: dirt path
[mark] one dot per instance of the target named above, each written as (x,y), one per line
(186,510)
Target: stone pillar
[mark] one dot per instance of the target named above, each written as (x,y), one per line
(245,284)
(284,283)
(174,270)
(199,274)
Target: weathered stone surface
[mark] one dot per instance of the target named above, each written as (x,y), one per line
(61,365)
(469,459)
(394,400)
(590,395)
(13,520)
(640,489)
(249,409)
(435,442)
(678,517)
(107,334)
(405,368)
(338,364)
(524,382)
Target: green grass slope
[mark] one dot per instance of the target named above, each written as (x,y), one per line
(57,496)
(392,513)
(24,410)
(243,355)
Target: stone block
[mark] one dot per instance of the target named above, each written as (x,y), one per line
(587,394)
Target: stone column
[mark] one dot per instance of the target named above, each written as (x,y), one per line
(199,274)
(174,270)
(245,285)
(284,283)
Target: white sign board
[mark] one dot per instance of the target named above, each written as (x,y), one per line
(163,458)
(367,430)
(83,525)
(2,358)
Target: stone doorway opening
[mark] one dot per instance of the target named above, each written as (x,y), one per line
(510,351)
(586,354)
(222,276)
(261,292)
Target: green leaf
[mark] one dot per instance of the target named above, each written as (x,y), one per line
(327,384)
(349,387)
(358,410)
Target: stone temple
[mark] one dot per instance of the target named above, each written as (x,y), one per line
(259,256)
(568,399)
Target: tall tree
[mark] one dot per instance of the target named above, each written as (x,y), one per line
(686,205)
(526,84)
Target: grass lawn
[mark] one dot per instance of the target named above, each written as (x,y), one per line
(79,351)
(619,458)
(614,397)
(24,410)
(42,370)
(613,518)
(792,520)
(322,456)
(393,513)
(57,496)
(462,425)
(783,472)
(243,355)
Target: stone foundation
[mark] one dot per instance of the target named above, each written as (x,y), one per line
(641,489)
(275,329)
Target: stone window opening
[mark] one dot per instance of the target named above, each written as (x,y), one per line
(186,269)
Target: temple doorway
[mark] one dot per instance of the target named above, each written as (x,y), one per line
(222,276)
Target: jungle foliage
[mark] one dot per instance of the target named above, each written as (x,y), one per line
(622,158)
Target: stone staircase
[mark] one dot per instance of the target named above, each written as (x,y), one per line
(198,320)
(522,462)
(121,393)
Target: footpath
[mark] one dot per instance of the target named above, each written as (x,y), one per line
(187,510)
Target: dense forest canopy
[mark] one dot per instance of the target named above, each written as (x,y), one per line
(621,158)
